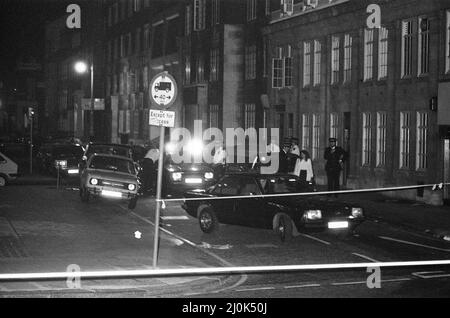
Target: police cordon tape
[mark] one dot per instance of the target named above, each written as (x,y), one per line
(434,186)
(211,270)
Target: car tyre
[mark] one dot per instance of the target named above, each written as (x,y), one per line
(208,220)
(132,203)
(3,181)
(84,195)
(284,228)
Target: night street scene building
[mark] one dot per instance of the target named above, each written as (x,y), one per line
(83,187)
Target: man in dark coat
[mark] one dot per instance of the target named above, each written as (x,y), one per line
(335,156)
(283,158)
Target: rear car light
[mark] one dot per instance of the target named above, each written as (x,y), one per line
(176,176)
(94,181)
(313,214)
(61,163)
(357,212)
(209,175)
(131,187)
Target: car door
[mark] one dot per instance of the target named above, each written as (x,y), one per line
(250,211)
(225,209)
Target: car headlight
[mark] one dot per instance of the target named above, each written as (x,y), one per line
(313,214)
(209,175)
(61,163)
(131,187)
(94,181)
(176,176)
(357,212)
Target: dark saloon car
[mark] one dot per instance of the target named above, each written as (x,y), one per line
(179,178)
(283,214)
(64,157)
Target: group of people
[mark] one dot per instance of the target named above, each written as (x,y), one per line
(298,162)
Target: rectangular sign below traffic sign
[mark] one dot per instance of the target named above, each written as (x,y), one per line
(162,118)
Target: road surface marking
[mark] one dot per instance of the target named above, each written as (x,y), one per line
(365,282)
(395,280)
(414,244)
(349,283)
(175,217)
(241,281)
(261,246)
(366,257)
(302,286)
(215,247)
(255,289)
(315,239)
(436,274)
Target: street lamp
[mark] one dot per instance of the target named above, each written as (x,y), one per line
(82,67)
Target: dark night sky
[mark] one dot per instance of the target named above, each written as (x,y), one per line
(22,29)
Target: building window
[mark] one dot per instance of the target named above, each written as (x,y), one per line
(306,123)
(306,64)
(317,62)
(381,139)
(288,6)
(214,65)
(215,12)
(348,43)
(447,44)
(334,125)
(199,15)
(407,48)
(368,55)
(115,12)
(335,60)
(422,140)
(138,40)
(366,139)
(405,131)
(264,53)
(424,46)
(267,7)
(200,69)
(188,21)
(137,5)
(287,67)
(187,70)
(250,62)
(251,10)
(382,53)
(213,116)
(146,39)
(290,132)
(277,70)
(316,137)
(110,16)
(249,116)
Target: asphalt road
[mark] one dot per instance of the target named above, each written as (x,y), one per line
(43,229)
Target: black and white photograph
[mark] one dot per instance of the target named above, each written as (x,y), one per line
(225,153)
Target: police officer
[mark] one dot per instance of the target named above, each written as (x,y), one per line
(335,156)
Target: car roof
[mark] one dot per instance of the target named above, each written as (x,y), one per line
(109,145)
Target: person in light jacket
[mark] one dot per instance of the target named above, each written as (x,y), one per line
(304,169)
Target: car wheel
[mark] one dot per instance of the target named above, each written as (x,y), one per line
(2,181)
(132,203)
(283,228)
(208,220)
(84,195)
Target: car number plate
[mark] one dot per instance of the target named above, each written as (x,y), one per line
(338,225)
(193,180)
(112,194)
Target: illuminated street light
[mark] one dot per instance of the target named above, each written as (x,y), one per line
(82,67)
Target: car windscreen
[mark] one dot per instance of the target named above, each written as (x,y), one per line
(67,151)
(112,164)
(278,185)
(110,150)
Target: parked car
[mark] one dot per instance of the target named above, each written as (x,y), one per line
(8,170)
(280,213)
(64,157)
(110,176)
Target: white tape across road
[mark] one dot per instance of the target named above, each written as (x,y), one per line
(211,270)
(296,194)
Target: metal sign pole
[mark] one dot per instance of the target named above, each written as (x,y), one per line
(158,196)
(31,143)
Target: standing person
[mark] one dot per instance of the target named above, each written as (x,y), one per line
(149,170)
(283,158)
(303,168)
(335,156)
(295,150)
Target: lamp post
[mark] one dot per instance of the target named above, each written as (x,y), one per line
(82,67)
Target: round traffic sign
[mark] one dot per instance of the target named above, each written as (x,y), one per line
(163,89)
